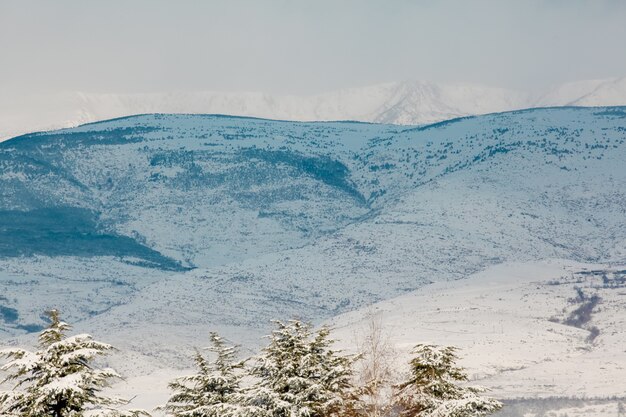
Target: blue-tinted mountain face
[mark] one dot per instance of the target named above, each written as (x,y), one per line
(282,218)
(200,190)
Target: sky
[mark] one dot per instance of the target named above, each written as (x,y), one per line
(304,47)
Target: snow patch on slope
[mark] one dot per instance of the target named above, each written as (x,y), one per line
(510,322)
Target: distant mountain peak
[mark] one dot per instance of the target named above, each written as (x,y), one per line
(404,103)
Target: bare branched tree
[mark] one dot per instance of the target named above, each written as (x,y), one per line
(375,370)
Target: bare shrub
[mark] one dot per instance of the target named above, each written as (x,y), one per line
(375,369)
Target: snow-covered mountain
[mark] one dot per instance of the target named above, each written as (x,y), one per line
(174,225)
(407,103)
(586,93)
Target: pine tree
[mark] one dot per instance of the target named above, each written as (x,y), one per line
(59,379)
(298,375)
(211,391)
(433,388)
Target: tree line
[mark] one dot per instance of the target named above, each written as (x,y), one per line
(297,374)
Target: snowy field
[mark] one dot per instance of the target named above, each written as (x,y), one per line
(511,324)
(517,327)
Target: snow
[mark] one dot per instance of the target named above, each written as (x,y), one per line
(314,220)
(609,92)
(500,319)
(505,320)
(407,103)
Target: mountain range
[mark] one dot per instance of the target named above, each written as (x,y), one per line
(406,103)
(151,230)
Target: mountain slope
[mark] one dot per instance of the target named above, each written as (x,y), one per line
(408,103)
(307,219)
(175,225)
(520,332)
(609,92)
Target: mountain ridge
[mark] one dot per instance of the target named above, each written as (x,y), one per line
(409,103)
(253,187)
(206,222)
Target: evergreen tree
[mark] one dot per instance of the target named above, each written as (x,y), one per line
(298,375)
(59,379)
(211,391)
(433,388)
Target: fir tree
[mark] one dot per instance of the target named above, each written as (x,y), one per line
(211,391)
(298,375)
(433,388)
(59,379)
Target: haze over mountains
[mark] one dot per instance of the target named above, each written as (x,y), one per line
(408,103)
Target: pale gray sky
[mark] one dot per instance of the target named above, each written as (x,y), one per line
(291,46)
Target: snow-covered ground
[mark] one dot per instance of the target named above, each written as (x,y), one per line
(283,219)
(510,322)
(408,103)
(151,231)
